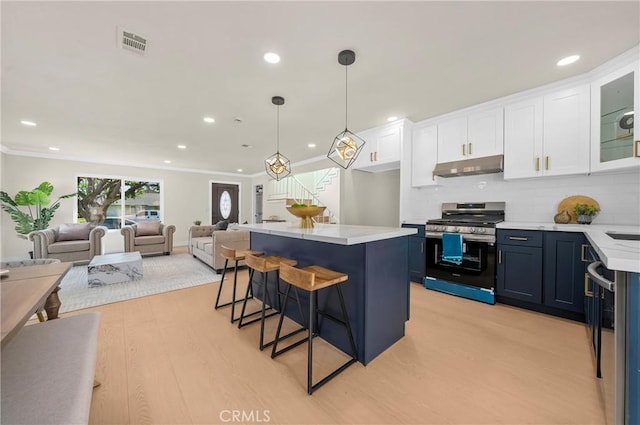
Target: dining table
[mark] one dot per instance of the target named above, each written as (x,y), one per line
(24,290)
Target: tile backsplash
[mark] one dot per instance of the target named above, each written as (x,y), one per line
(535,199)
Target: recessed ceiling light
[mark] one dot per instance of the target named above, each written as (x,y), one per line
(53,148)
(182,147)
(208,120)
(392,118)
(239,170)
(568,60)
(271,57)
(244,145)
(29,123)
(166,161)
(311,145)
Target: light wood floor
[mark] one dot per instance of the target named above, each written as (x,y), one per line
(172,359)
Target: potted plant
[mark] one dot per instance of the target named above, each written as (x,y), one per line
(585,213)
(197,222)
(36,218)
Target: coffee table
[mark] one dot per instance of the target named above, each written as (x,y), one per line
(114,268)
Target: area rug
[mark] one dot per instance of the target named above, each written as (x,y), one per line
(161,274)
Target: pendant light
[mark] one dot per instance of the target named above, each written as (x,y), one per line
(277,165)
(346,145)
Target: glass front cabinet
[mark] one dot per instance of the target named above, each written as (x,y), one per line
(615,142)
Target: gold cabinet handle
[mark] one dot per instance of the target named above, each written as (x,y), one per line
(587,292)
(537,163)
(375,156)
(636,148)
(500,257)
(518,238)
(370,156)
(470,148)
(583,253)
(464,149)
(546,162)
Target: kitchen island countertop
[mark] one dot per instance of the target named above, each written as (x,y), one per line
(341,234)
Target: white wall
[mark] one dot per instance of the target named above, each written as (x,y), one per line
(532,199)
(371,199)
(186,194)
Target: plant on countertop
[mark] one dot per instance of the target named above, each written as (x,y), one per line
(37,218)
(585,209)
(197,222)
(585,213)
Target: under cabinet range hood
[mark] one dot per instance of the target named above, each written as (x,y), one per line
(469,167)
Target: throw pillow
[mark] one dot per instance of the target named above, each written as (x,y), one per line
(148,228)
(221,225)
(73,232)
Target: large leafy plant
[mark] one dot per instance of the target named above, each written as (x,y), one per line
(39,213)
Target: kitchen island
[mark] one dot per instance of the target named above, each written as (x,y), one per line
(377,292)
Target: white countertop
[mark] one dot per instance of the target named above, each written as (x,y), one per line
(614,253)
(340,234)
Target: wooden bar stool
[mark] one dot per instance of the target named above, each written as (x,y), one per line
(312,279)
(264,265)
(230,254)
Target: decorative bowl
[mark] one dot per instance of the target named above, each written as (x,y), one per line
(305,214)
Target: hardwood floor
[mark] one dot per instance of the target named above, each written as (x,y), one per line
(172,359)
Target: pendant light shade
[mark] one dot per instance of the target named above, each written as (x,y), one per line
(346,145)
(277,165)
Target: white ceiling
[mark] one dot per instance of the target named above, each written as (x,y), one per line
(62,69)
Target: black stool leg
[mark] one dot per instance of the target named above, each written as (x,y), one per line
(224,270)
(246,297)
(312,315)
(347,323)
(280,320)
(233,296)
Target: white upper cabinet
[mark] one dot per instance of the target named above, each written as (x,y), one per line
(614,139)
(471,136)
(424,155)
(382,149)
(566,132)
(547,135)
(523,139)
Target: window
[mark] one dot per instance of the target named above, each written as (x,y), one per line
(114,202)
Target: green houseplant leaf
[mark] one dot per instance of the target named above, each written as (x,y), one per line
(32,219)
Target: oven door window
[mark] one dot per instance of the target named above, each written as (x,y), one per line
(474,257)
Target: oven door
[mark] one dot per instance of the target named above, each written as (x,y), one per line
(478,266)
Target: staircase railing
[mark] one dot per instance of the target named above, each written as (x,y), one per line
(297,191)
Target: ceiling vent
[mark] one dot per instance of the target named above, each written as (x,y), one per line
(131,41)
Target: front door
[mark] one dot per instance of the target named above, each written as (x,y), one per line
(224,198)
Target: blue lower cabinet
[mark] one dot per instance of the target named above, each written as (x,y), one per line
(417,254)
(520,273)
(565,265)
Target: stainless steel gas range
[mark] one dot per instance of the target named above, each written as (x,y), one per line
(474,275)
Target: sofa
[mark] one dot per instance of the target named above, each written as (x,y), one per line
(148,237)
(205,242)
(72,242)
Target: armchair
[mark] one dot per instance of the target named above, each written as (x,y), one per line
(148,237)
(68,242)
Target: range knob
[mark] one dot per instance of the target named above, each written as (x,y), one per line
(482,230)
(441,228)
(472,230)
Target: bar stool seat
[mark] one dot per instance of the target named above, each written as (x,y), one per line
(312,279)
(230,254)
(264,265)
